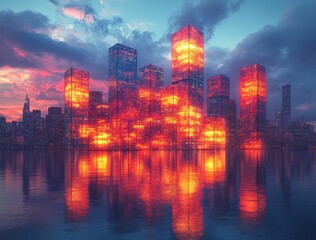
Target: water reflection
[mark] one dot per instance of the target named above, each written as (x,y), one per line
(184,194)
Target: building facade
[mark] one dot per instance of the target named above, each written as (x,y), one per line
(253,99)
(187,63)
(76,105)
(219,104)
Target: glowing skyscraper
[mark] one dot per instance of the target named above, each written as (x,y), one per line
(187,65)
(76,105)
(187,62)
(253,99)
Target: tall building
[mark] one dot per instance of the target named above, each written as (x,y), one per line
(187,63)
(2,131)
(55,127)
(218,93)
(219,104)
(26,118)
(95,101)
(122,71)
(286,106)
(252,106)
(36,127)
(76,105)
(149,95)
(122,92)
(151,76)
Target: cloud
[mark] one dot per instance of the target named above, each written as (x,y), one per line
(55,2)
(288,52)
(80,12)
(74,12)
(204,15)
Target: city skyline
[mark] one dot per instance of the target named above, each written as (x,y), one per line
(40,44)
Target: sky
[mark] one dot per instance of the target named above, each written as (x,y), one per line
(41,39)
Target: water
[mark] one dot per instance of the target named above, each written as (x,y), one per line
(157,195)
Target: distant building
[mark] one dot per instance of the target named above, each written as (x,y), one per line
(252,106)
(286,106)
(2,131)
(218,93)
(76,105)
(55,127)
(278,119)
(26,118)
(37,136)
(151,76)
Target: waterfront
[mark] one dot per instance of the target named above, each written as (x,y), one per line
(157,195)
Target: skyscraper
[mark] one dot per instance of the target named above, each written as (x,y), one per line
(218,93)
(219,104)
(187,62)
(286,106)
(151,76)
(26,118)
(122,91)
(36,134)
(55,127)
(122,71)
(187,65)
(252,106)
(95,101)
(76,104)
(149,94)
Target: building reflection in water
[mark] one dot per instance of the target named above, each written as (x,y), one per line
(252,193)
(142,184)
(150,187)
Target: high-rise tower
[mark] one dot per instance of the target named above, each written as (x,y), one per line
(76,104)
(122,91)
(219,104)
(253,99)
(26,118)
(187,62)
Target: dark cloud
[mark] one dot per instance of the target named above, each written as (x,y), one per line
(18,31)
(55,2)
(26,20)
(288,52)
(50,94)
(204,15)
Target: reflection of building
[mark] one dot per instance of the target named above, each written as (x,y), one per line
(76,104)
(187,59)
(219,104)
(286,106)
(252,193)
(252,106)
